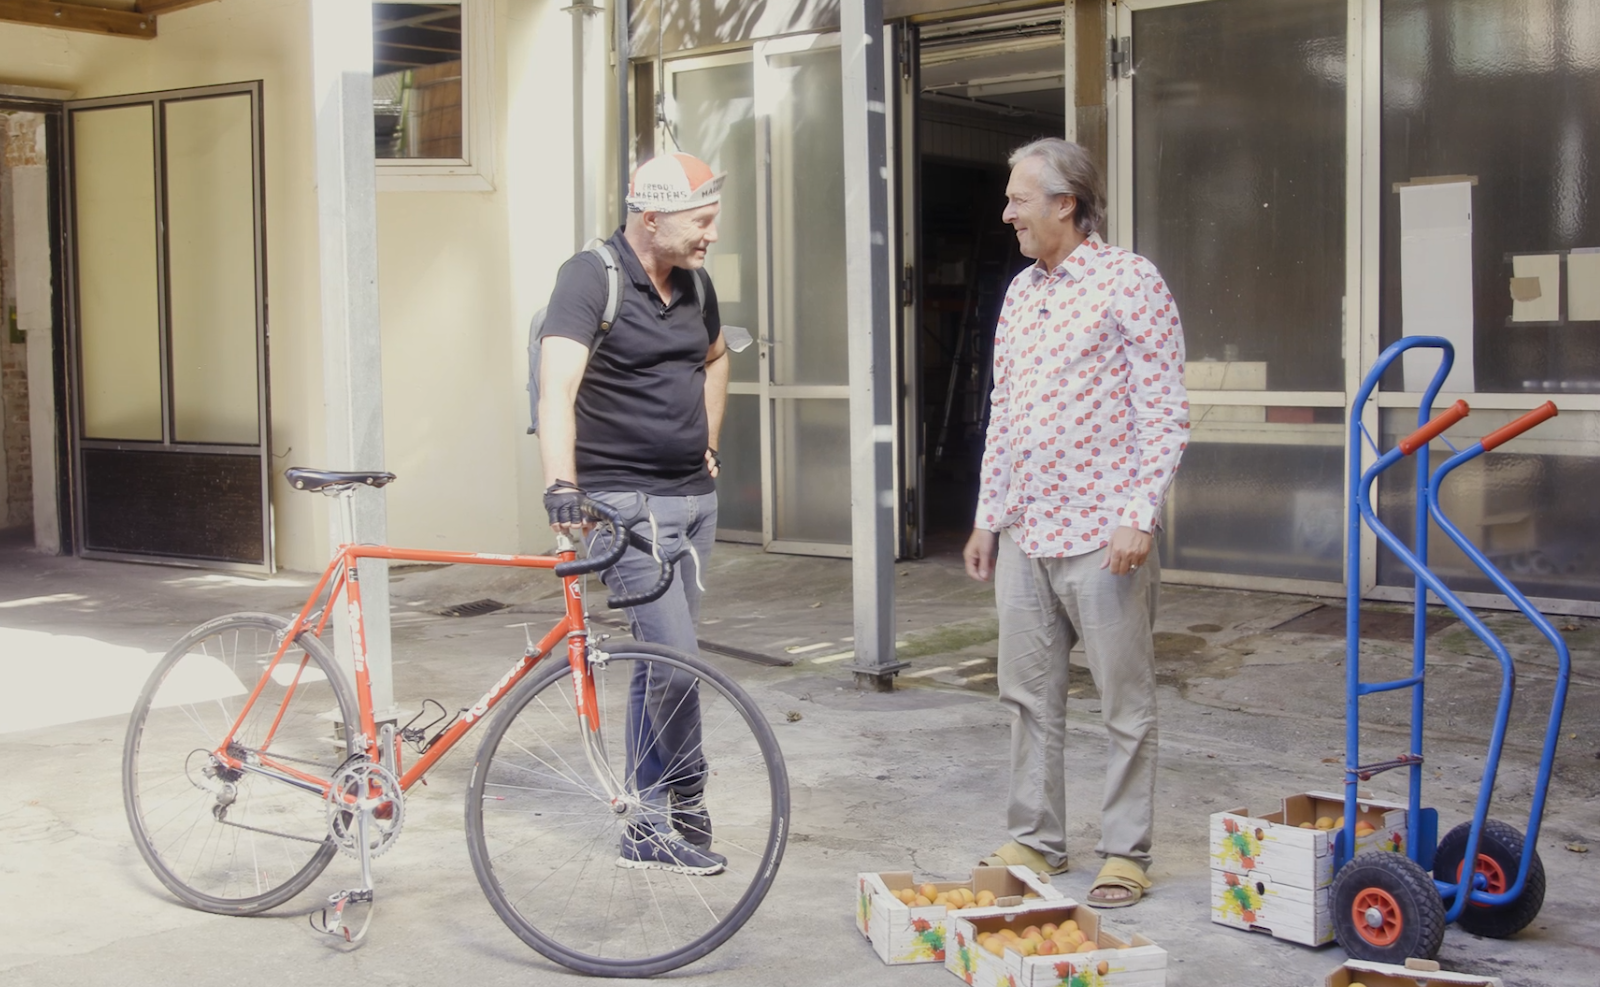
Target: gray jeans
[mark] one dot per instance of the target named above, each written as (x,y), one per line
(1046,606)
(664,750)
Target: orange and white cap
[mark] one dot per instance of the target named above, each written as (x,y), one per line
(673,183)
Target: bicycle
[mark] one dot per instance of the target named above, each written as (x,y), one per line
(251,759)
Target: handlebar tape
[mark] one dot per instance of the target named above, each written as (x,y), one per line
(614,551)
(1506,433)
(1427,433)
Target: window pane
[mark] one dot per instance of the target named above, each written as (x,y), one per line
(1238,178)
(115,202)
(416,79)
(211,247)
(1506,91)
(808,311)
(812,447)
(1525,505)
(739,486)
(715,121)
(1260,492)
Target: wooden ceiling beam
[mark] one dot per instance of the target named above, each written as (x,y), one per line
(154,7)
(72,17)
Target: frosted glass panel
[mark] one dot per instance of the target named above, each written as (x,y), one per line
(812,446)
(1527,505)
(119,325)
(715,121)
(1259,493)
(808,327)
(1239,152)
(739,486)
(212,265)
(1507,91)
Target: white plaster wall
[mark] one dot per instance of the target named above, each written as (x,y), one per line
(460,273)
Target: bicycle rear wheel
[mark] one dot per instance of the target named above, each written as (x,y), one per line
(544,835)
(233,841)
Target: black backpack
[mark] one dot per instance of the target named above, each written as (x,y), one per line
(613,276)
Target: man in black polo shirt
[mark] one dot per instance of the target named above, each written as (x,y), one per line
(640,414)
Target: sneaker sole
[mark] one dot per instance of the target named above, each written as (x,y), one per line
(672,868)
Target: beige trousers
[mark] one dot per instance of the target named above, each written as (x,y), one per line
(1046,606)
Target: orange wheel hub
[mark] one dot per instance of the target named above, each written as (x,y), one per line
(1494,877)
(1376,916)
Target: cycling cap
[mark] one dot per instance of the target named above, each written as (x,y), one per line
(673,183)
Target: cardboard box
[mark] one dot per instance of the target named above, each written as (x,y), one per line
(1242,843)
(900,933)
(1416,973)
(1255,903)
(1123,960)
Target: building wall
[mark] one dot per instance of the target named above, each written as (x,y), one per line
(460,273)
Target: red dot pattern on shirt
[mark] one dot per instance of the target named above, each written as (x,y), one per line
(1089,413)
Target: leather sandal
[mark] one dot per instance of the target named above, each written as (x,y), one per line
(1016,854)
(1118,872)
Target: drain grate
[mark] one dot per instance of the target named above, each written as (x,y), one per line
(1376,625)
(477,608)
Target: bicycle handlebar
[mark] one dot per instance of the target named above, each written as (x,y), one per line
(1427,433)
(622,534)
(1506,433)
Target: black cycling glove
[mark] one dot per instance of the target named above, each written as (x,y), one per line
(564,502)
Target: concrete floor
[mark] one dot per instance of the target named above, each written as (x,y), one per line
(915,778)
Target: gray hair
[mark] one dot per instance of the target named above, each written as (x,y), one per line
(1069,170)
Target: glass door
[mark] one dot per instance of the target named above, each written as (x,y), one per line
(804,365)
(710,113)
(168,327)
(1229,171)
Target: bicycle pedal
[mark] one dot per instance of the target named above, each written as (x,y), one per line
(343,905)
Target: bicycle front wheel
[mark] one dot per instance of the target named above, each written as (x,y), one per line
(229,840)
(573,838)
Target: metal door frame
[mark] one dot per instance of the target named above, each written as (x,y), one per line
(262,448)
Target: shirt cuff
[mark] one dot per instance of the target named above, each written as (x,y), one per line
(1138,513)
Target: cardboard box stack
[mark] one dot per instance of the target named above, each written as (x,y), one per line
(1269,873)
(902,933)
(980,954)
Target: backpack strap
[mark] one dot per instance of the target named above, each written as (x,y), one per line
(613,294)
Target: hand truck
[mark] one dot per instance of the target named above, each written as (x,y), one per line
(1386,905)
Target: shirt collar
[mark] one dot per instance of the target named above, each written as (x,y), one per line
(1075,264)
(635,270)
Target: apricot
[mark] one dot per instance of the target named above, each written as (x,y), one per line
(1325,822)
(1103,968)
(1364,828)
(996,945)
(928,891)
(1047,948)
(1070,925)
(920,901)
(1308,825)
(1087,947)
(985,899)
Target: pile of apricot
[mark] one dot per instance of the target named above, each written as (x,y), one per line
(1048,939)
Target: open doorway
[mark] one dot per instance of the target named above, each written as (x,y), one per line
(988,85)
(31,507)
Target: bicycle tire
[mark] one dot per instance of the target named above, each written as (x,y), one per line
(517,845)
(271,840)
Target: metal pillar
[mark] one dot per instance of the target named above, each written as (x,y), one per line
(588,107)
(352,373)
(871,365)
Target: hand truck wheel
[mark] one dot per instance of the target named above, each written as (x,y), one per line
(1386,909)
(1499,855)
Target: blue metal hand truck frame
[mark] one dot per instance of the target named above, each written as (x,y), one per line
(1386,906)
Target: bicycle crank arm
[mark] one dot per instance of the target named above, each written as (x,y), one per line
(343,906)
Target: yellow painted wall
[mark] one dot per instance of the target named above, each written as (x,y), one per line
(460,273)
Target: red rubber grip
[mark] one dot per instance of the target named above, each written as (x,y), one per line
(1543,413)
(1427,433)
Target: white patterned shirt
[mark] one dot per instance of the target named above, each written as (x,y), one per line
(1089,413)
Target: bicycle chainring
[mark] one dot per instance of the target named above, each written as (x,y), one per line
(363,787)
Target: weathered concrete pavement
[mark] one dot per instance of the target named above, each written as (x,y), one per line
(880,781)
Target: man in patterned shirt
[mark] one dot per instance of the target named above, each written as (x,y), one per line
(1088,422)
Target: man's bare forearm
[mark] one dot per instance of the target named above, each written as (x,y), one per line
(716,397)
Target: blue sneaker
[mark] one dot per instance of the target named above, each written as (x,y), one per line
(651,849)
(692,821)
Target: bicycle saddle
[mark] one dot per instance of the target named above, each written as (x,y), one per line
(302,478)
